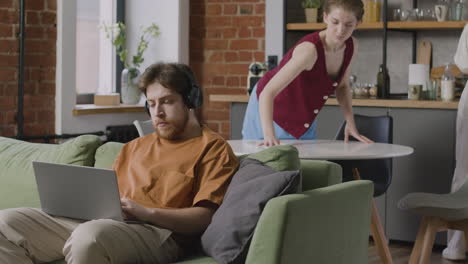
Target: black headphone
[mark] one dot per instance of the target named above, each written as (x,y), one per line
(194,98)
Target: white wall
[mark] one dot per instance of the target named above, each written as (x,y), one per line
(172,44)
(274,33)
(172,18)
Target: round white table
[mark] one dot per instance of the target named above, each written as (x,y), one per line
(329,149)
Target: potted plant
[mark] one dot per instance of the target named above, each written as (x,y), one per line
(311,9)
(130,93)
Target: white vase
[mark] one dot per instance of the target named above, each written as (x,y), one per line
(129,90)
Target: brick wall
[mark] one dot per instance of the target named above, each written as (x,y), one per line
(225,37)
(39,70)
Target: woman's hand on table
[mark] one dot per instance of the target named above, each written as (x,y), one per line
(269,141)
(351,130)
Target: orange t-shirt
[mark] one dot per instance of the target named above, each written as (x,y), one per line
(159,173)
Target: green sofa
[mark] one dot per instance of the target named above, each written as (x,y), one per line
(326,223)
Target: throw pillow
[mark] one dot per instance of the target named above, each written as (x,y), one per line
(228,236)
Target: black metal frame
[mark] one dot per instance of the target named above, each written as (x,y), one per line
(285,23)
(414,33)
(386,89)
(414,37)
(119,66)
(20,105)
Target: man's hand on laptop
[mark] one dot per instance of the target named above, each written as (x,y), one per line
(134,211)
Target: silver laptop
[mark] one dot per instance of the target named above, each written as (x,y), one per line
(79,192)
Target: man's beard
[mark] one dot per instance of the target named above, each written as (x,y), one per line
(174,129)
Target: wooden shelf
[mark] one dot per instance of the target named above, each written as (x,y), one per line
(426,24)
(90,109)
(319,26)
(390,103)
(399,103)
(391,25)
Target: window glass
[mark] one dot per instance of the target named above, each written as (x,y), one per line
(95,59)
(87,48)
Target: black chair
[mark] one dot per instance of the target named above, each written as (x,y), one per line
(380,130)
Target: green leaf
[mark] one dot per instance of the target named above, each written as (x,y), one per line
(118,36)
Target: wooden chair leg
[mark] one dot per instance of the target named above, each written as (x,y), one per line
(356,174)
(416,252)
(379,237)
(377,230)
(433,226)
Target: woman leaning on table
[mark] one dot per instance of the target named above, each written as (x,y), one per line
(286,101)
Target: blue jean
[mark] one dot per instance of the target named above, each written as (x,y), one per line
(252,126)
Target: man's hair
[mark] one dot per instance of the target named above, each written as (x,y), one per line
(354,6)
(175,76)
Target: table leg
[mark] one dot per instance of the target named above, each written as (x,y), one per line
(376,229)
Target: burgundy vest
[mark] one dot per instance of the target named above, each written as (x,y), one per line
(297,105)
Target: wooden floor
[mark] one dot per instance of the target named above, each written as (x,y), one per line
(401,251)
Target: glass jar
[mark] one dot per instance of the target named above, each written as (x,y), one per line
(447,84)
(367,10)
(457,10)
(376,8)
(396,14)
(373,90)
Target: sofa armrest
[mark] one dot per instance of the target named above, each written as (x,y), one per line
(325,225)
(319,173)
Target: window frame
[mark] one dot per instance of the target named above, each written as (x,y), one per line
(118,66)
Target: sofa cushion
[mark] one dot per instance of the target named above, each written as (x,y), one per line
(106,154)
(16,173)
(228,236)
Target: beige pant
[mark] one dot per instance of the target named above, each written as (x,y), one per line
(30,236)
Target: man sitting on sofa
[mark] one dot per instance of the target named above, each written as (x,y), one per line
(173,180)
